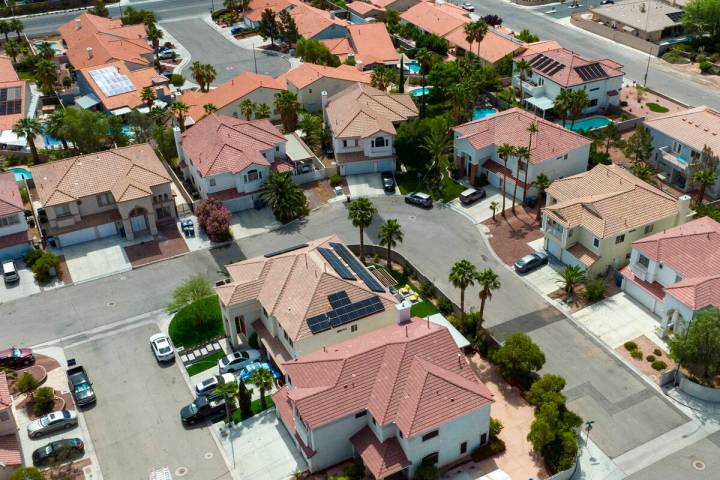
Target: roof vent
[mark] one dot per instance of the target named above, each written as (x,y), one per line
(89,51)
(78,24)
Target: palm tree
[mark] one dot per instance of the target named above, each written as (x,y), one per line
(29,128)
(45,50)
(247,107)
(462,275)
(523,68)
(611,136)
(262,379)
(561,105)
(438,145)
(229,392)
(475,32)
(643,171)
(210,108)
(12,50)
(244,5)
(5,28)
(158,115)
(382,77)
(390,235)
(198,74)
(55,126)
(488,281)
(570,277)
(361,213)
(209,75)
(180,110)
(262,110)
(284,197)
(505,151)
(704,178)
(520,154)
(532,129)
(494,206)
(148,96)
(287,104)
(17,26)
(45,73)
(578,102)
(542,182)
(154,35)
(231,5)
(460,96)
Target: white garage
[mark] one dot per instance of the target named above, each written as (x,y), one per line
(554,248)
(106,230)
(78,236)
(368,166)
(643,296)
(238,204)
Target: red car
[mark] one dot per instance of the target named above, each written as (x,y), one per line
(16,357)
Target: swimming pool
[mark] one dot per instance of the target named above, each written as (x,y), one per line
(21,174)
(590,123)
(49,141)
(419,92)
(479,113)
(54,45)
(413,67)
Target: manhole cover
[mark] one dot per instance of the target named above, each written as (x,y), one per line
(122,277)
(698,464)
(111,303)
(209,455)
(181,471)
(412,217)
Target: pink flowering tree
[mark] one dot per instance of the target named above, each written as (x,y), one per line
(214,218)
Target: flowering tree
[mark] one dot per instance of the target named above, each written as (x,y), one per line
(214,218)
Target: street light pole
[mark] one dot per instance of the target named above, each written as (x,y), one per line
(254,59)
(588,427)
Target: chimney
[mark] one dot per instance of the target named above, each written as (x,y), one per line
(324,99)
(684,212)
(89,51)
(78,24)
(402,312)
(359,65)
(332,15)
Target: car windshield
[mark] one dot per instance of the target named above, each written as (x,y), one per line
(15,352)
(45,421)
(193,408)
(164,350)
(47,450)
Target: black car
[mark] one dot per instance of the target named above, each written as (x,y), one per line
(388,182)
(472,195)
(56,453)
(420,199)
(531,262)
(201,409)
(16,357)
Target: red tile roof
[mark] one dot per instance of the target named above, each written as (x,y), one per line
(256,8)
(340,47)
(654,288)
(220,144)
(308,73)
(9,79)
(412,375)
(437,18)
(144,77)
(10,450)
(372,44)
(493,47)
(5,397)
(310,21)
(10,200)
(381,458)
(510,126)
(363,8)
(502,170)
(568,75)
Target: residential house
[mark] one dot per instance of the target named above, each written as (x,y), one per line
(113,88)
(14,105)
(553,71)
(676,272)
(302,299)
(372,46)
(10,455)
(230,159)
(312,23)
(91,41)
(592,218)
(15,237)
(340,47)
(361,11)
(651,20)
(308,81)
(678,141)
(555,151)
(363,121)
(395,399)
(229,96)
(123,191)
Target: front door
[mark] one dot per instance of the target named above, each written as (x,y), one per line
(138,223)
(240,325)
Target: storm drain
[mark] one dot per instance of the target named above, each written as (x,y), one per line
(698,465)
(209,455)
(181,471)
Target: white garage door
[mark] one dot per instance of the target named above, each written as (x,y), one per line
(138,223)
(639,294)
(238,204)
(554,249)
(357,168)
(78,236)
(16,251)
(387,165)
(106,230)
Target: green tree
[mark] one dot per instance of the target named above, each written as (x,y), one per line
(518,358)
(229,392)
(521,153)
(5,28)
(131,16)
(16,25)
(312,127)
(43,401)
(46,75)
(561,105)
(475,32)
(494,205)
(523,68)
(505,151)
(361,213)
(27,384)
(177,80)
(247,107)
(29,128)
(55,126)
(703,16)
(148,96)
(553,435)
(100,9)
(488,281)
(288,29)
(86,130)
(203,74)
(244,400)
(389,236)
(190,291)
(542,182)
(547,388)
(12,50)
(570,277)
(268,26)
(262,379)
(209,108)
(532,130)
(180,111)
(579,101)
(382,77)
(141,125)
(262,110)
(154,35)
(643,171)
(463,274)
(392,20)
(27,473)
(312,51)
(703,179)
(526,36)
(699,350)
(639,146)
(116,133)
(284,197)
(287,105)
(438,144)
(46,267)
(611,137)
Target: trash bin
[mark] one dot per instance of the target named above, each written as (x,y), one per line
(618,279)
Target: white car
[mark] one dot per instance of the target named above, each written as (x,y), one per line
(55,421)
(468,7)
(206,387)
(162,348)
(236,361)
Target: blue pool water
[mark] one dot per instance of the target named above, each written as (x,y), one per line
(21,174)
(54,45)
(590,123)
(413,67)
(479,113)
(419,92)
(51,141)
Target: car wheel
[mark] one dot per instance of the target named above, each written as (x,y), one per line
(68,426)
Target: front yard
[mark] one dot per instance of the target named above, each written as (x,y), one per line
(410,182)
(187,329)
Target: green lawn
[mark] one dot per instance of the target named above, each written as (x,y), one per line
(255,407)
(25,75)
(185,327)
(205,364)
(423,309)
(657,108)
(409,182)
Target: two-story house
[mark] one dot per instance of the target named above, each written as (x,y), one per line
(592,218)
(302,299)
(396,398)
(10,455)
(14,234)
(312,23)
(555,70)
(676,272)
(14,105)
(678,142)
(308,81)
(555,151)
(363,121)
(123,191)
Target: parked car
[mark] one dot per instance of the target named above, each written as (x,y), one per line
(80,386)
(388,182)
(420,199)
(56,453)
(246,372)
(62,420)
(607,2)
(16,357)
(472,195)
(468,7)
(236,361)
(168,54)
(10,273)
(239,30)
(201,409)
(531,262)
(206,387)
(162,348)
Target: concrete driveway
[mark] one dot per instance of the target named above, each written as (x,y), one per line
(480,210)
(252,222)
(366,185)
(99,258)
(25,287)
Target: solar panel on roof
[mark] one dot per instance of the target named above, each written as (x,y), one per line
(111,81)
(537,60)
(285,250)
(357,267)
(318,323)
(674,16)
(551,66)
(10,101)
(542,64)
(348,312)
(591,72)
(339,299)
(556,70)
(336,264)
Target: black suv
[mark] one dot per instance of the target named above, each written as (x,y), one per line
(201,409)
(420,199)
(388,182)
(61,451)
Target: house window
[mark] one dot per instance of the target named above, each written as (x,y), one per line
(104,199)
(620,239)
(565,156)
(212,182)
(593,102)
(676,147)
(523,166)
(596,242)
(62,211)
(361,414)
(374,422)
(344,143)
(277,148)
(430,435)
(644,261)
(379,142)
(309,90)
(353,328)
(431,459)
(483,439)
(4,416)
(695,155)
(253,175)
(9,220)
(463,448)
(649,228)
(677,278)
(595,89)
(163,212)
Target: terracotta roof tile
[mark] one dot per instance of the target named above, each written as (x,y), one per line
(10,450)
(340,47)
(437,18)
(308,73)
(381,458)
(568,76)
(585,256)
(493,47)
(372,44)
(10,79)
(145,77)
(5,397)
(363,8)
(695,127)
(10,200)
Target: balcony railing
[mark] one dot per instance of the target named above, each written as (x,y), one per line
(555,231)
(674,158)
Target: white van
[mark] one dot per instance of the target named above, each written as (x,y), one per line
(10,273)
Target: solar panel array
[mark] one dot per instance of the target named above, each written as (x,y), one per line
(357,267)
(674,16)
(336,264)
(344,312)
(10,101)
(546,65)
(111,81)
(591,72)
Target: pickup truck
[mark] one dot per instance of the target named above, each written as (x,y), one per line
(80,386)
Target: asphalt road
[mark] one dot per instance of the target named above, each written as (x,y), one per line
(135,425)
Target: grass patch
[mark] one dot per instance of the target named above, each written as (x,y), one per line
(185,330)
(255,407)
(205,364)
(657,108)
(409,182)
(26,75)
(423,309)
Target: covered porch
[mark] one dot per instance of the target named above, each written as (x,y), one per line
(540,106)
(383,459)
(674,168)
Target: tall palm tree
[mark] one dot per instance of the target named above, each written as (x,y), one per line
(158,115)
(284,197)
(55,126)
(462,275)
(523,68)
(229,392)
(382,77)
(287,104)
(570,277)
(533,129)
(579,101)
(361,213)
(180,110)
(262,110)
(46,72)
(154,35)
(505,151)
(262,379)
(209,75)
(29,128)
(438,144)
(210,108)
(704,178)
(247,107)
(45,50)
(389,236)
(520,154)
(5,28)
(12,50)
(542,182)
(148,96)
(231,5)
(16,25)
(198,74)
(611,136)
(561,105)
(488,281)
(460,98)
(475,32)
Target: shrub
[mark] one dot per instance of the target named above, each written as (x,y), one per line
(356,471)
(31,256)
(45,267)
(214,218)
(636,353)
(24,195)
(445,306)
(196,323)
(427,472)
(657,352)
(26,384)
(43,401)
(335,180)
(705,66)
(630,346)
(494,447)
(594,291)
(177,80)
(658,365)
(518,358)
(496,427)
(650,358)
(27,473)
(426,290)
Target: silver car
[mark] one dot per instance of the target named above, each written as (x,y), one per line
(236,361)
(62,420)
